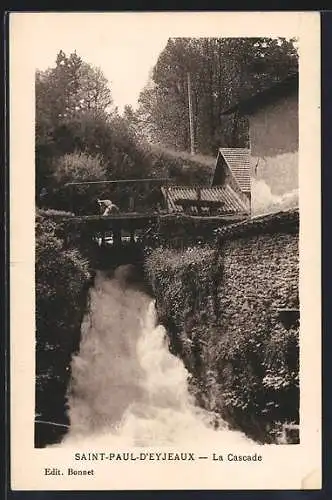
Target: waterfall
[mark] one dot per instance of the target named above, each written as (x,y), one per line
(127,388)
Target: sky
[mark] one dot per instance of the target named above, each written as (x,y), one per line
(126,45)
(124,51)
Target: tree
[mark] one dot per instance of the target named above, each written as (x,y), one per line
(71,87)
(95,93)
(74,116)
(63,95)
(221,71)
(129,114)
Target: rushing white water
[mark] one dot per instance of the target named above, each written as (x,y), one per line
(127,388)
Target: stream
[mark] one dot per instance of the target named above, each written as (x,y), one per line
(126,386)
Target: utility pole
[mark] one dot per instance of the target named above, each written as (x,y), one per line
(191,121)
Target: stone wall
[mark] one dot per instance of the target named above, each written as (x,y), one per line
(224,308)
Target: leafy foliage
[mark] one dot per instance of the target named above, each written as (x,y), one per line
(78,166)
(222,70)
(74,112)
(74,115)
(60,273)
(75,167)
(220,307)
(184,302)
(61,276)
(71,87)
(182,167)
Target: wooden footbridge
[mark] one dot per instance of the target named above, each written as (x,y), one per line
(148,207)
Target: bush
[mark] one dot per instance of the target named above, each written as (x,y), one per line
(61,278)
(220,309)
(74,167)
(86,147)
(182,167)
(184,285)
(78,167)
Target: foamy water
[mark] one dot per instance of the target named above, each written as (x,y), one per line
(127,389)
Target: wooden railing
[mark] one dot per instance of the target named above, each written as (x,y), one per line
(130,195)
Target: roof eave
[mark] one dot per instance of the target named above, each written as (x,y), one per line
(286,87)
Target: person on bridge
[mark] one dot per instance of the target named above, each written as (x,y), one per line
(108,207)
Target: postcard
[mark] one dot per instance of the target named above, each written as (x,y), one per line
(165,324)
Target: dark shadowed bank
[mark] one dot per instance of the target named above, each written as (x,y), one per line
(62,276)
(231,311)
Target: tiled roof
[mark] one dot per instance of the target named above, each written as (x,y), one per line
(232,203)
(284,221)
(238,161)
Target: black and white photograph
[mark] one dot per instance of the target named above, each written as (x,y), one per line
(166,195)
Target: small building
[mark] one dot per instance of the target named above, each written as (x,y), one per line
(274,141)
(206,187)
(233,167)
(221,201)
(225,192)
